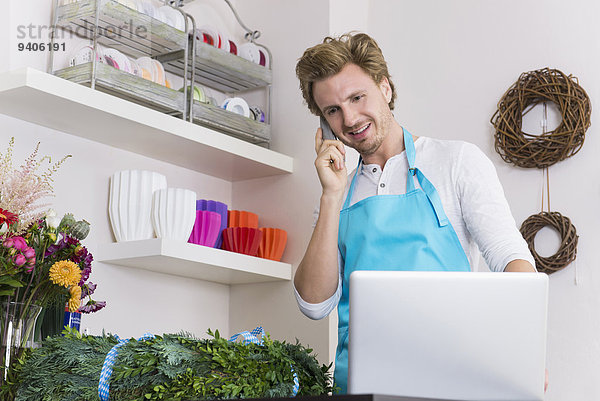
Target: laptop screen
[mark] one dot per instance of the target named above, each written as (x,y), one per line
(448,335)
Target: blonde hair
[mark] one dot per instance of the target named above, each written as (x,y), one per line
(328,58)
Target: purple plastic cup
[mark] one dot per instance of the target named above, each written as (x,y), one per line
(215,206)
(206,228)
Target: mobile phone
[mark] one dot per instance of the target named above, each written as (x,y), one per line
(327,132)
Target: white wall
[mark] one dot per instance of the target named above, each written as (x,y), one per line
(451,62)
(348,15)
(27,22)
(5,33)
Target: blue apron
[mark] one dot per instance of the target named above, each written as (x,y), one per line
(393,232)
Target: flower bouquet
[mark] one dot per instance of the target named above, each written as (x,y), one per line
(43,264)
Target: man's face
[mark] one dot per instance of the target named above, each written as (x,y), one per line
(355,107)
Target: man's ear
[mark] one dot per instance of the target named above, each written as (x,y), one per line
(386,89)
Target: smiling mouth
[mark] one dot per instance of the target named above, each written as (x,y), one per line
(360,130)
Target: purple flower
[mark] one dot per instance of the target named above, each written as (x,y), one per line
(63,243)
(88,289)
(92,306)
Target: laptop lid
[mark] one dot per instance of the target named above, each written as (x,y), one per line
(448,335)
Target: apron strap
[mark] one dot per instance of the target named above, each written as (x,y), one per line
(409,146)
(434,198)
(425,184)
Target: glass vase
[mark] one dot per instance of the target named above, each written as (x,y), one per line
(50,321)
(17,329)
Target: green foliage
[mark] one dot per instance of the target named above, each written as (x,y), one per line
(169,367)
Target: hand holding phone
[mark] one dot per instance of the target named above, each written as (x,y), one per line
(327,132)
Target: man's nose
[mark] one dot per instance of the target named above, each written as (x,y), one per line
(350,116)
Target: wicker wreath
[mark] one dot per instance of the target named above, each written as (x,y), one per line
(568,245)
(532,88)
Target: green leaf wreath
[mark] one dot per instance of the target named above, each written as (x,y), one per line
(169,367)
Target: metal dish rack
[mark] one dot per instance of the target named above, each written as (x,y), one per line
(230,74)
(114,25)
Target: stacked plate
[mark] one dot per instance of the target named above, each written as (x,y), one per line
(167,14)
(157,10)
(216,38)
(236,105)
(144,67)
(254,53)
(153,70)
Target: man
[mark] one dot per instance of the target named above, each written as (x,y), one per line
(413,203)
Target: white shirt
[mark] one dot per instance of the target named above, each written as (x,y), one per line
(470,192)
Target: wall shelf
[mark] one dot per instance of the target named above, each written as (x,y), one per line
(193,261)
(53,102)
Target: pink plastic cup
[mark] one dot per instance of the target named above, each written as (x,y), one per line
(206,228)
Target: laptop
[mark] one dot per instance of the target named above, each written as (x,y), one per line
(448,335)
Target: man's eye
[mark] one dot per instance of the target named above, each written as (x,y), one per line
(357,98)
(331,111)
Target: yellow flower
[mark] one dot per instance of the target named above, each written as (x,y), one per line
(65,273)
(75,300)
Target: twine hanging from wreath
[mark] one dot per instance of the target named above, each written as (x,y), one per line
(532,88)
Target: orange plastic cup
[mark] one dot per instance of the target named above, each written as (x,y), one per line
(242,218)
(273,243)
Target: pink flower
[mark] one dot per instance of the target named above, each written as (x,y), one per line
(16,242)
(20,260)
(29,253)
(8,243)
(29,267)
(20,243)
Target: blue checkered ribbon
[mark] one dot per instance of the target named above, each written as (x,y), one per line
(255,337)
(250,337)
(109,361)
